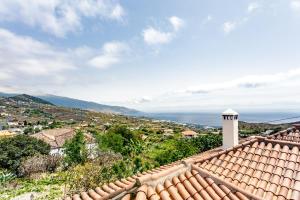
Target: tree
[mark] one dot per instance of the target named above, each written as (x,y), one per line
(111,141)
(120,140)
(207,142)
(75,149)
(15,149)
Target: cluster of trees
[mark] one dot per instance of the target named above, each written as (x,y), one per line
(15,149)
(120,140)
(176,149)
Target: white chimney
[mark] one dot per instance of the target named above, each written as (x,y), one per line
(230,128)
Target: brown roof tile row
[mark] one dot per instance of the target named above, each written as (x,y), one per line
(264,168)
(188,185)
(287,135)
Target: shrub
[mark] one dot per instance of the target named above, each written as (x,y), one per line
(39,163)
(15,149)
(107,168)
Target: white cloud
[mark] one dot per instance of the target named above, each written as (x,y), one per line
(295,5)
(153,36)
(29,65)
(112,53)
(22,57)
(118,12)
(19,54)
(252,7)
(229,26)
(58,17)
(252,81)
(176,22)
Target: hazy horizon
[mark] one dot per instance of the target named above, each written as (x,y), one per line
(155,56)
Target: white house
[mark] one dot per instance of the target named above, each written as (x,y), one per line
(56,138)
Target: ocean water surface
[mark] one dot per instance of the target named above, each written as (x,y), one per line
(214,119)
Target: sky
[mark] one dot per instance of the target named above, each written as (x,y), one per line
(155,56)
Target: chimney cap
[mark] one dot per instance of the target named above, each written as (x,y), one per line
(229,111)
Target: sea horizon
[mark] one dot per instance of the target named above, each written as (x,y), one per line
(214,118)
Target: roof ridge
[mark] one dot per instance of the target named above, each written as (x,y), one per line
(219,181)
(160,177)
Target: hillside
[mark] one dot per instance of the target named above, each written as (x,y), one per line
(27,98)
(73,103)
(87,105)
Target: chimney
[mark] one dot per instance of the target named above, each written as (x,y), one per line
(230,128)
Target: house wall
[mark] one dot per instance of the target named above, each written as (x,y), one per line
(90,147)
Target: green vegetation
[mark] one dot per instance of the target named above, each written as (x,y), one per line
(6,176)
(75,150)
(249,129)
(15,149)
(48,186)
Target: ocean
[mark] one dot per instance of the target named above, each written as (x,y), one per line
(215,120)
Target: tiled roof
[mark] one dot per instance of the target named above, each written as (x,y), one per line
(189,133)
(288,135)
(260,168)
(57,137)
(269,169)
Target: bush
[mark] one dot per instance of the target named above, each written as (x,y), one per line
(104,169)
(15,149)
(39,163)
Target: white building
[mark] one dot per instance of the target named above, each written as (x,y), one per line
(57,137)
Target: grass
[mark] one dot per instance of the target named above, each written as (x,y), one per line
(49,187)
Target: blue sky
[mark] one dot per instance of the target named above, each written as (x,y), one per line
(155,55)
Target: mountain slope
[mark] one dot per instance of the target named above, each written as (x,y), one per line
(87,105)
(28,99)
(72,103)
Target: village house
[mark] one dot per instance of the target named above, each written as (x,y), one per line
(189,134)
(56,138)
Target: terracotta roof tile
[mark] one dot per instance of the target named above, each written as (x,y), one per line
(287,135)
(57,137)
(264,168)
